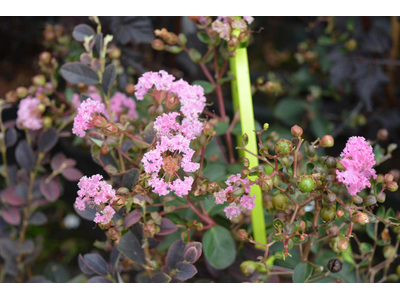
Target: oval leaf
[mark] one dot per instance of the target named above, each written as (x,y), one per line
(219,247)
(167,227)
(81,31)
(109,76)
(10,137)
(38,219)
(302,272)
(51,191)
(131,248)
(9,196)
(130,178)
(12,216)
(25,156)
(96,263)
(87,214)
(72,174)
(47,140)
(99,279)
(185,271)
(132,218)
(76,72)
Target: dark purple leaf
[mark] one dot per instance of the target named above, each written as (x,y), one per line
(72,174)
(132,218)
(109,76)
(12,216)
(81,31)
(76,72)
(84,266)
(25,156)
(197,245)
(167,227)
(160,278)
(175,253)
(60,159)
(98,45)
(38,219)
(99,279)
(126,29)
(87,214)
(191,255)
(47,140)
(130,247)
(95,262)
(9,196)
(11,267)
(10,137)
(51,191)
(130,178)
(39,279)
(185,271)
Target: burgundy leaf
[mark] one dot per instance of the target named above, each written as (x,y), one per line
(9,196)
(72,174)
(12,216)
(59,159)
(51,191)
(132,218)
(167,227)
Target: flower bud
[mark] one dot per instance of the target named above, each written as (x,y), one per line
(283,147)
(279,201)
(130,88)
(158,45)
(266,126)
(39,80)
(110,129)
(310,151)
(381,197)
(343,245)
(369,200)
(330,162)
(159,110)
(47,122)
(302,225)
(45,57)
(172,102)
(389,251)
(392,186)
(150,229)
(339,213)
(385,235)
(388,177)
(242,234)
(357,199)
(382,134)
(22,92)
(114,53)
(99,122)
(296,131)
(360,218)
(248,267)
(331,197)
(237,193)
(380,178)
(306,184)
(327,141)
(328,213)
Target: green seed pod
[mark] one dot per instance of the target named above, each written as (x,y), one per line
(369,200)
(330,162)
(280,202)
(328,213)
(357,199)
(306,184)
(389,251)
(310,151)
(238,193)
(248,267)
(381,197)
(283,147)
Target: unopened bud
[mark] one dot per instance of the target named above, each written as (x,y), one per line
(343,245)
(110,129)
(388,177)
(237,193)
(327,141)
(283,147)
(47,122)
(360,218)
(370,200)
(306,184)
(389,251)
(339,213)
(45,57)
(330,162)
(357,199)
(158,45)
(114,53)
(266,126)
(382,134)
(381,197)
(242,234)
(39,80)
(385,235)
(99,122)
(130,88)
(22,92)
(159,110)
(392,186)
(172,102)
(296,131)
(248,267)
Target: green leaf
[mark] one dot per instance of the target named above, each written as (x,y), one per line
(371,230)
(174,49)
(203,37)
(390,213)
(206,85)
(216,172)
(221,128)
(219,247)
(195,55)
(381,212)
(366,247)
(378,151)
(302,272)
(289,110)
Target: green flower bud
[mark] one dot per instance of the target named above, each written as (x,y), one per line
(237,193)
(392,186)
(381,197)
(248,267)
(357,199)
(370,200)
(306,184)
(389,251)
(39,80)
(360,218)
(279,202)
(328,213)
(343,245)
(327,141)
(330,162)
(283,147)
(310,151)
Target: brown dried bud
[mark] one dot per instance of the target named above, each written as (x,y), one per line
(385,234)
(327,141)
(158,45)
(296,131)
(208,128)
(110,129)
(242,234)
(130,88)
(150,229)
(382,134)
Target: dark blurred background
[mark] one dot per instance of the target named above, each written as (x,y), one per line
(330,75)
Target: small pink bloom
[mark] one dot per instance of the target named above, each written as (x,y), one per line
(358,159)
(86,111)
(120,103)
(28,115)
(160,81)
(232,211)
(105,216)
(249,20)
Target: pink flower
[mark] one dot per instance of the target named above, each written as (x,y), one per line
(76,101)
(29,116)
(249,20)
(223,29)
(160,81)
(358,159)
(232,211)
(86,111)
(94,191)
(120,103)
(167,125)
(105,216)
(244,202)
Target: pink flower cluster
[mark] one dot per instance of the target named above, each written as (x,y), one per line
(93,94)
(172,151)
(95,191)
(358,159)
(86,111)
(29,116)
(245,201)
(224,25)
(121,103)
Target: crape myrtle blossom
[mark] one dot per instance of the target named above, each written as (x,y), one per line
(161,81)
(236,204)
(358,160)
(121,103)
(94,191)
(86,111)
(29,114)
